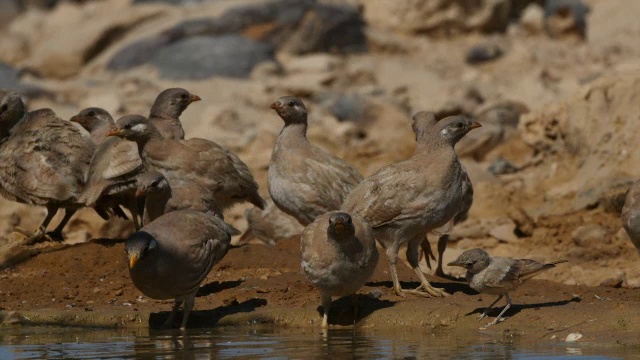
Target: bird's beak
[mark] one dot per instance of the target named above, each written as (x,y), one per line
(454,263)
(75,119)
(475,125)
(139,193)
(113,132)
(339,226)
(133,259)
(275,105)
(193,98)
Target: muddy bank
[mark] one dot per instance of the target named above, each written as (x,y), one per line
(88,285)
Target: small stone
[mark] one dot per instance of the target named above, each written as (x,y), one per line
(119,292)
(573,337)
(614,282)
(375,293)
(230,301)
(590,236)
(483,53)
(501,166)
(504,233)
(532,19)
(312,63)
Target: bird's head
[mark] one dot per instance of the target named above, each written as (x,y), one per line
(12,109)
(340,225)
(454,128)
(151,182)
(93,118)
(474,260)
(423,122)
(291,109)
(172,102)
(133,128)
(138,246)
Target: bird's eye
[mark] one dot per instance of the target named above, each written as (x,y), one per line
(290,103)
(4,108)
(184,96)
(91,113)
(127,126)
(348,220)
(459,125)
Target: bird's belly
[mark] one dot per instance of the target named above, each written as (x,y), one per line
(337,279)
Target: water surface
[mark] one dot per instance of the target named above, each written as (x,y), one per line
(284,343)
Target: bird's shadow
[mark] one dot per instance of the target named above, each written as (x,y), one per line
(342,311)
(516,308)
(107,242)
(449,287)
(206,318)
(217,286)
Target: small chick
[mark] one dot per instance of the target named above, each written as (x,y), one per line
(338,255)
(498,275)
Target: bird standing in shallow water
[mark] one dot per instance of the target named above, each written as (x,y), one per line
(304,181)
(338,256)
(498,275)
(406,200)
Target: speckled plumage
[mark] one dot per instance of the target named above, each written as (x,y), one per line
(338,255)
(305,181)
(204,162)
(166,110)
(406,200)
(43,161)
(498,275)
(170,257)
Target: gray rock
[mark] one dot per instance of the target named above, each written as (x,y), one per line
(138,53)
(566,16)
(345,107)
(501,166)
(483,53)
(202,57)
(10,81)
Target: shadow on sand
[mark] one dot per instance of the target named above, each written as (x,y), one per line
(343,312)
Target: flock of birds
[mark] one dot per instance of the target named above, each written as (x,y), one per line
(176,191)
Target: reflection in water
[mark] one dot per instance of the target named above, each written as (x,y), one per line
(274,343)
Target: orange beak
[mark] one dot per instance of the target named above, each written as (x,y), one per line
(193,98)
(275,105)
(113,132)
(475,125)
(75,119)
(139,193)
(132,261)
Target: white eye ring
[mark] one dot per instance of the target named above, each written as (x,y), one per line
(139,127)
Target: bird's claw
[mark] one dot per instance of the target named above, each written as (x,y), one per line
(482,316)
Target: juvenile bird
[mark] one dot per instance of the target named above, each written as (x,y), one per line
(163,196)
(96,121)
(423,124)
(338,256)
(406,200)
(170,257)
(166,110)
(304,181)
(204,162)
(631,214)
(498,275)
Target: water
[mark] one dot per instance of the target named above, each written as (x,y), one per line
(283,343)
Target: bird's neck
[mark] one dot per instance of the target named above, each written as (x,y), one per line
(156,203)
(295,133)
(164,112)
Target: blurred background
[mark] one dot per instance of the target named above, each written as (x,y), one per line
(555,84)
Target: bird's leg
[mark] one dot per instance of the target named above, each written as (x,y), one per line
(326,305)
(486,310)
(427,251)
(356,308)
(38,234)
(188,306)
(57,232)
(442,246)
(135,213)
(495,321)
(169,321)
(425,289)
(392,258)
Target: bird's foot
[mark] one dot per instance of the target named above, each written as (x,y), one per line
(423,291)
(495,321)
(33,237)
(482,316)
(55,236)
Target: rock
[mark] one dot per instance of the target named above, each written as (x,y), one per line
(483,53)
(565,17)
(590,236)
(311,63)
(10,80)
(302,84)
(462,102)
(478,143)
(573,337)
(83,35)
(524,224)
(504,233)
(615,282)
(351,107)
(614,196)
(201,57)
(532,19)
(501,166)
(229,129)
(10,10)
(107,100)
(292,26)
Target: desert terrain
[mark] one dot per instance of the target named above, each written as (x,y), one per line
(557,95)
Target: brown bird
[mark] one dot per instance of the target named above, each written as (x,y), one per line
(42,162)
(631,214)
(115,165)
(12,110)
(406,200)
(498,275)
(166,110)
(423,123)
(96,121)
(304,181)
(269,225)
(170,257)
(202,161)
(338,256)
(163,196)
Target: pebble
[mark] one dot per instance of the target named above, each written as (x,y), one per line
(573,337)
